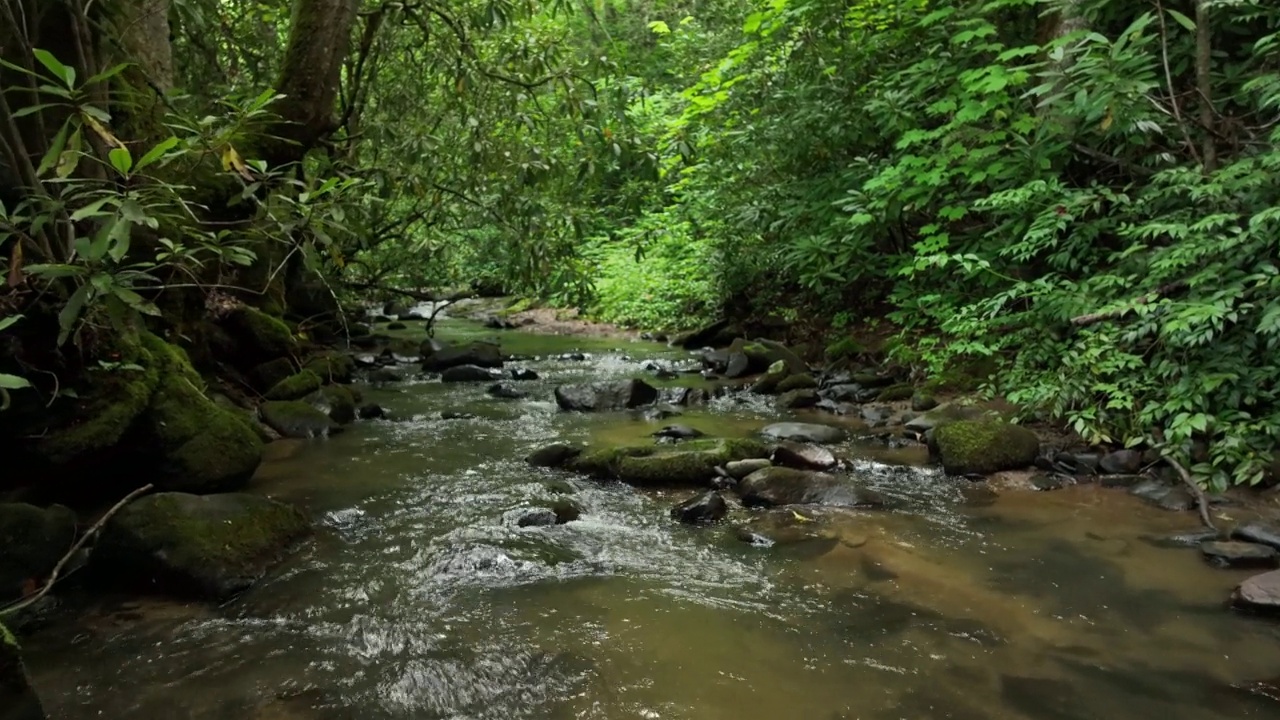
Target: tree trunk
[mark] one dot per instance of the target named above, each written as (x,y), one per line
(319,38)
(1204,83)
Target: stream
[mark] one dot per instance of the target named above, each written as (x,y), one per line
(419,598)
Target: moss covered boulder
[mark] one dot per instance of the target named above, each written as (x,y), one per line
(295,387)
(297,419)
(981,447)
(198,546)
(336,401)
(692,463)
(895,393)
(256,337)
(111,399)
(332,367)
(800,381)
(198,445)
(32,540)
(267,375)
(17,700)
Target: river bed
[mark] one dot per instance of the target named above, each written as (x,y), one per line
(419,599)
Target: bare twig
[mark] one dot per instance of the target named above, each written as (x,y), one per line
(57,569)
(1173,94)
(1195,489)
(1150,297)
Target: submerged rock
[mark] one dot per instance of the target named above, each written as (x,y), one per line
(17,700)
(774,486)
(604,396)
(297,419)
(467,373)
(701,509)
(1260,592)
(804,432)
(679,432)
(535,517)
(739,469)
(372,411)
(523,374)
(803,456)
(1164,494)
(1231,554)
(201,546)
(554,455)
(983,447)
(505,391)
(32,540)
(479,354)
(691,463)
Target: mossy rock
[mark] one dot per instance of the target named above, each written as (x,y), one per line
(201,446)
(691,463)
(295,387)
(112,400)
(258,337)
(336,401)
(332,367)
(265,376)
(297,419)
(201,546)
(981,447)
(32,540)
(802,381)
(894,393)
(17,700)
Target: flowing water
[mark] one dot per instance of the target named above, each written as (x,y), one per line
(419,598)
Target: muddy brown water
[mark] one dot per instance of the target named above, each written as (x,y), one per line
(417,600)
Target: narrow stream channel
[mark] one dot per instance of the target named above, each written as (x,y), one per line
(420,599)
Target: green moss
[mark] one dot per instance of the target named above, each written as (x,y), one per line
(337,401)
(893,393)
(203,447)
(802,381)
(267,374)
(112,401)
(984,446)
(298,385)
(270,336)
(690,463)
(332,367)
(7,637)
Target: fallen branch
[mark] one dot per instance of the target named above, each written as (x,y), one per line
(23,603)
(1147,299)
(1195,489)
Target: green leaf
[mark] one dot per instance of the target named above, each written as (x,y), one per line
(156,153)
(1181,19)
(63,72)
(70,157)
(107,74)
(13,382)
(9,321)
(71,312)
(121,160)
(56,147)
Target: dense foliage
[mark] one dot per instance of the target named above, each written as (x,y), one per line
(1080,195)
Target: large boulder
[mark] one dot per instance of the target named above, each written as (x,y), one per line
(336,401)
(17,700)
(604,396)
(297,419)
(32,540)
(254,337)
(197,445)
(480,354)
(199,546)
(332,367)
(943,414)
(773,486)
(691,463)
(804,432)
(773,352)
(982,447)
(265,376)
(803,456)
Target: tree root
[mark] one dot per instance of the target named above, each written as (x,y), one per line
(30,600)
(1196,490)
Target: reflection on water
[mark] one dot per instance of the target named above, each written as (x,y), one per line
(418,600)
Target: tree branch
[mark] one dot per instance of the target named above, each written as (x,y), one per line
(1150,297)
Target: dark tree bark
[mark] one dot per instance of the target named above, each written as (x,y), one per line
(319,39)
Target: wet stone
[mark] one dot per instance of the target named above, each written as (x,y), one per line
(467,373)
(804,432)
(523,374)
(802,456)
(1121,481)
(1235,554)
(1182,541)
(1260,592)
(739,469)
(1162,494)
(679,432)
(701,509)
(554,455)
(504,391)
(1258,533)
(371,411)
(1121,462)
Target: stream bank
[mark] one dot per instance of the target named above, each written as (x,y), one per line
(423,595)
